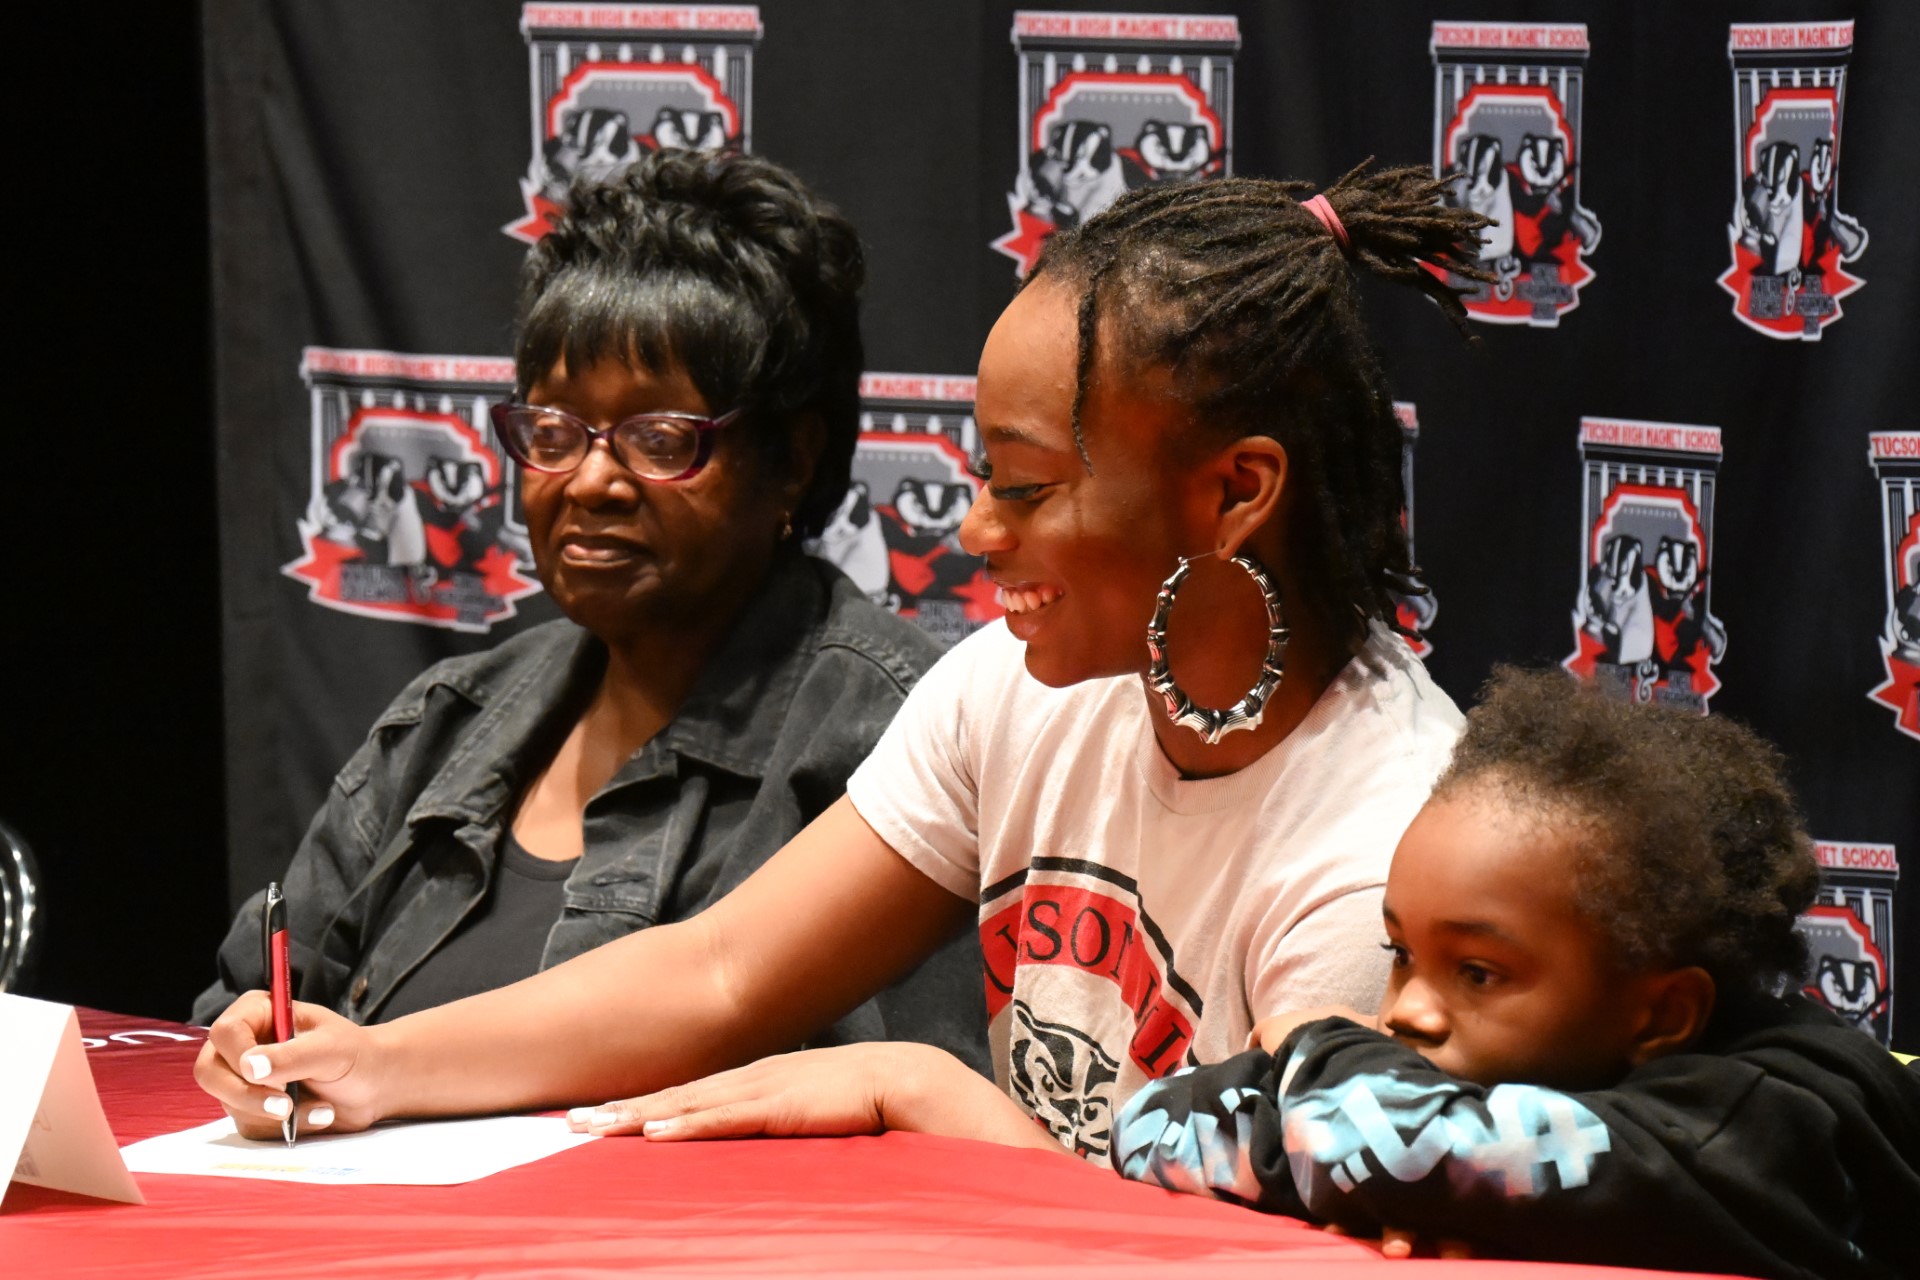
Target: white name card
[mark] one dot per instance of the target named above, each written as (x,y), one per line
(52,1130)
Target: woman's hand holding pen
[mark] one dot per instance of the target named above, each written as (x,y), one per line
(248,1073)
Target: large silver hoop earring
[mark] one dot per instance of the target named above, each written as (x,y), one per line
(1210,723)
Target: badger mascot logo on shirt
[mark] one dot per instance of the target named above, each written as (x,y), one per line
(1110,103)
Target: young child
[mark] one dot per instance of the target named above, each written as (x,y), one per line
(1579,1056)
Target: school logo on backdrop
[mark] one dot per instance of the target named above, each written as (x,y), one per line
(1849,933)
(1790,241)
(1110,102)
(612,82)
(1508,99)
(1896,463)
(896,533)
(1415,610)
(1643,624)
(412,515)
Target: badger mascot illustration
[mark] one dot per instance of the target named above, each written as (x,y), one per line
(1619,608)
(1772,211)
(593,143)
(1827,229)
(1544,210)
(1078,173)
(688,130)
(856,544)
(1480,183)
(1682,627)
(461,516)
(372,508)
(921,528)
(1904,626)
(1170,151)
(1066,1079)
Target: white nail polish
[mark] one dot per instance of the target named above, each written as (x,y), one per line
(602,1117)
(580,1115)
(278,1105)
(320,1117)
(658,1128)
(257,1066)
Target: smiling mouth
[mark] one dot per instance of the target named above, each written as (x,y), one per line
(1027,599)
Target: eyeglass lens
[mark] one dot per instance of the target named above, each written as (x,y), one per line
(657,447)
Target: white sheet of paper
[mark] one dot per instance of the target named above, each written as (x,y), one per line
(427,1154)
(52,1130)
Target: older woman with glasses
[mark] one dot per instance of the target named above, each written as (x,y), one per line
(688,364)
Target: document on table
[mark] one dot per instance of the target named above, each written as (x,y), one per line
(428,1154)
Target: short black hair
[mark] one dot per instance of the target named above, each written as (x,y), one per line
(727,265)
(1693,852)
(1239,288)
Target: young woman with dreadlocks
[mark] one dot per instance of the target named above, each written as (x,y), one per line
(1166,790)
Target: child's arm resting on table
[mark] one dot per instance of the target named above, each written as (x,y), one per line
(1345,1126)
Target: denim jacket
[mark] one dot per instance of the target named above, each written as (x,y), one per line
(405,847)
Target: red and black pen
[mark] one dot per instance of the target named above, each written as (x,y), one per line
(273,949)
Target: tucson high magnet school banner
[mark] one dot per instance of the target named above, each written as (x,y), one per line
(1681,458)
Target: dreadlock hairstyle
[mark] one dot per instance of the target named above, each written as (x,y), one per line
(1248,297)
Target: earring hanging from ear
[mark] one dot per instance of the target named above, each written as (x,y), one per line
(786,526)
(1213,724)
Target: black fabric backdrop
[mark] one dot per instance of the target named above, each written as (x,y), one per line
(365,159)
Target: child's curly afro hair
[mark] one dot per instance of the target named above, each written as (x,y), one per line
(1693,851)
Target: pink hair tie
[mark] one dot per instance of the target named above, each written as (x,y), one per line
(1319,208)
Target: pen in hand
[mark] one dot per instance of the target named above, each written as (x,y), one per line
(273,947)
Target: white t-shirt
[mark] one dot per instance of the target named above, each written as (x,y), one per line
(1134,921)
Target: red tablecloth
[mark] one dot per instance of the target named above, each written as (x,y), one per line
(899,1204)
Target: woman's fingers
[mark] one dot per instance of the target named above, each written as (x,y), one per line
(248,1075)
(819,1091)
(632,1115)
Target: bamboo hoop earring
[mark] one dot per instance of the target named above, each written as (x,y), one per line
(1213,724)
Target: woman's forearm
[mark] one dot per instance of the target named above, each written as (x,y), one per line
(604,1024)
(756,973)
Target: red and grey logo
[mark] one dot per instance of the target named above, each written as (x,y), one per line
(1643,624)
(1896,464)
(1415,609)
(1849,933)
(1508,99)
(412,515)
(897,532)
(612,82)
(1110,102)
(1791,244)
(1079,931)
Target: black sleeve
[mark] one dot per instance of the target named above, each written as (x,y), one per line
(365,805)
(1703,1163)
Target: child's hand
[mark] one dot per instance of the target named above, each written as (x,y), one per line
(1268,1033)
